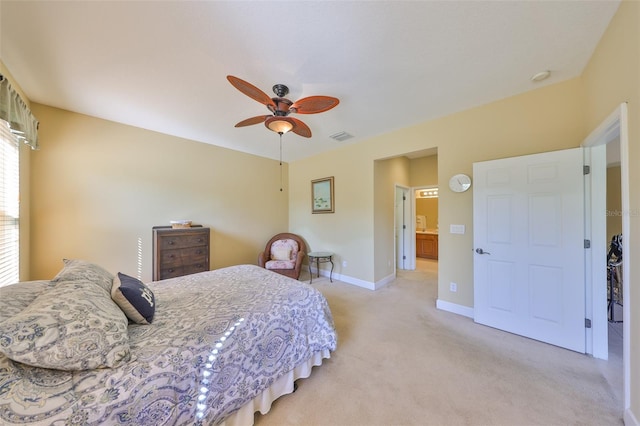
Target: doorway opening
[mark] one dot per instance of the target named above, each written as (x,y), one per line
(411,171)
(426,227)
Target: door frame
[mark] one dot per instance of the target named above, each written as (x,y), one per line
(404,217)
(617,124)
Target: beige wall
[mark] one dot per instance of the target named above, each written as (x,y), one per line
(349,231)
(98,187)
(423,171)
(25,197)
(612,77)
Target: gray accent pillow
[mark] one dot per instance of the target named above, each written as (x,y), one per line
(76,269)
(15,297)
(74,325)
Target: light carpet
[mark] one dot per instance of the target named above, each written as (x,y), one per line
(401,361)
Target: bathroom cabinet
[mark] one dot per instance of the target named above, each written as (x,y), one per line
(427,245)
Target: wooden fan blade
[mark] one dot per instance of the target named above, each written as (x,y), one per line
(300,128)
(251,91)
(314,104)
(253,120)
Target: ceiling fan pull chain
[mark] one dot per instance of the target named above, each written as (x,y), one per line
(280,161)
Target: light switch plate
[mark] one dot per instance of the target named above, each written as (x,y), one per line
(456,229)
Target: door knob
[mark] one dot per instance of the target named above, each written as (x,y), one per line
(480,251)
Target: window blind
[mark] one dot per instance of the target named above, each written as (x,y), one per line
(9,206)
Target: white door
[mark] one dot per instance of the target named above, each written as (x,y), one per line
(528,231)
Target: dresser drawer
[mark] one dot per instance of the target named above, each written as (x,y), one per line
(185,256)
(171,272)
(195,268)
(168,242)
(178,271)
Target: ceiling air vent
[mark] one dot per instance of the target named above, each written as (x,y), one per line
(341,136)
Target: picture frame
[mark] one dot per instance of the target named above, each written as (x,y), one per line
(322,198)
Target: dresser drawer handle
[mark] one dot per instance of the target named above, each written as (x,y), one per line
(171,243)
(171,270)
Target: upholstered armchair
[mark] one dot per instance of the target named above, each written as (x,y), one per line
(284,254)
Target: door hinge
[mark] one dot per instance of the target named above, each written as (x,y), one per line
(587,323)
(586,170)
(404,257)
(404,226)
(404,198)
(587,244)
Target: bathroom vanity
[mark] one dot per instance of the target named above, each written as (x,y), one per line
(427,244)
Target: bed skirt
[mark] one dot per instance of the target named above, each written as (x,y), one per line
(284,385)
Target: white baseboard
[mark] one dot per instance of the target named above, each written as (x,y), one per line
(347,279)
(454,308)
(357,282)
(629,418)
(386,280)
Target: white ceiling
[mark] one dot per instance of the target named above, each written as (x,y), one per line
(161,65)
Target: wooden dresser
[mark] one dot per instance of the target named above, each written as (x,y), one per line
(178,252)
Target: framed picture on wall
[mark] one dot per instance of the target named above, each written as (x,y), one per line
(322,200)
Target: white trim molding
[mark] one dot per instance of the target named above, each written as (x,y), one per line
(350,280)
(454,308)
(617,124)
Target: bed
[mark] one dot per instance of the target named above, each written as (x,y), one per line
(221,345)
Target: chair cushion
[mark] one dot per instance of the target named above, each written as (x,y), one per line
(286,249)
(281,253)
(280,264)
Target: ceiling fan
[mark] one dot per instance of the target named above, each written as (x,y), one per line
(279,120)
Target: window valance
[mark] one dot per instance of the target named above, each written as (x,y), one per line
(14,111)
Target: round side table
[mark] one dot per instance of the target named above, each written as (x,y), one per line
(320,257)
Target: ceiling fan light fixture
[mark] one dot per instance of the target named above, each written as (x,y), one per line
(279,124)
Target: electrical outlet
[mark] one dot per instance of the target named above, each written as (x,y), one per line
(453,287)
(344,263)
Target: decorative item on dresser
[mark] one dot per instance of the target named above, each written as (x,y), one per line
(179,251)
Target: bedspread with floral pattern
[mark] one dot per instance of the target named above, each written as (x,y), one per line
(218,339)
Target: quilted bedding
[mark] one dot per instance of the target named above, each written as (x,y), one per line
(218,340)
